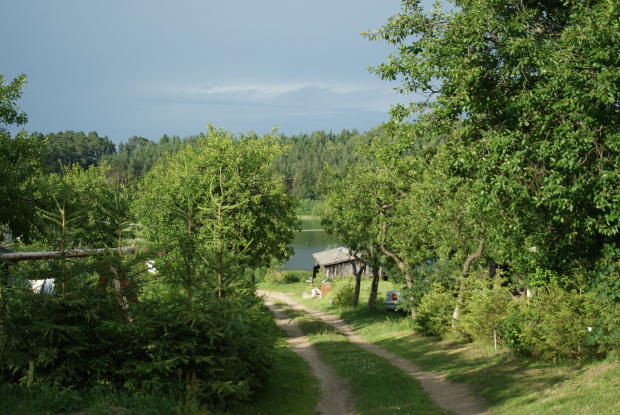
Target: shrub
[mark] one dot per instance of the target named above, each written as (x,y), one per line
(483,309)
(434,313)
(285,277)
(605,334)
(218,350)
(295,276)
(559,324)
(519,314)
(342,294)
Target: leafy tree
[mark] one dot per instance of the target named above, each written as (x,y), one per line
(362,209)
(528,95)
(347,216)
(20,163)
(263,220)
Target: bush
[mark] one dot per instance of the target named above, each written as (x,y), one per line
(309,207)
(434,313)
(218,350)
(295,276)
(342,294)
(559,324)
(519,314)
(286,277)
(483,309)
(605,333)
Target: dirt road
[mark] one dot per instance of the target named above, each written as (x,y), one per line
(336,398)
(446,394)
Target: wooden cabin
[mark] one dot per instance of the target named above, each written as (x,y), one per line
(337,262)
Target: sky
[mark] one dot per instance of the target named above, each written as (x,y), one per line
(153,67)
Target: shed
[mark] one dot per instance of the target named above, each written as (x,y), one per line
(337,262)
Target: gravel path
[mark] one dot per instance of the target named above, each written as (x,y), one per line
(446,394)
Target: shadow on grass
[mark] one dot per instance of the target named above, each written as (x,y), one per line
(378,388)
(497,376)
(362,317)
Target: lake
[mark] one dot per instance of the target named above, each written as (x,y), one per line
(310,240)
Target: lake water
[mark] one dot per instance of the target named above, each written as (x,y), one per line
(310,240)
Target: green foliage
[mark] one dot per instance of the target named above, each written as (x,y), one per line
(606,333)
(20,164)
(342,293)
(558,327)
(527,98)
(219,350)
(200,333)
(70,148)
(263,220)
(309,207)
(273,276)
(434,313)
(208,334)
(484,309)
(75,340)
(93,207)
(295,276)
(518,315)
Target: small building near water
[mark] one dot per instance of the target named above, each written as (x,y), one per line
(337,262)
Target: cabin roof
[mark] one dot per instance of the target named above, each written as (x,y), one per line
(332,256)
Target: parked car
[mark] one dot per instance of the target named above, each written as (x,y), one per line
(391,300)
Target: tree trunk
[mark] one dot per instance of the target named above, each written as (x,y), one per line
(471,258)
(358,280)
(76,253)
(403,268)
(372,298)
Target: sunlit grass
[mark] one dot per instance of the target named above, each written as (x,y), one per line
(377,387)
(510,384)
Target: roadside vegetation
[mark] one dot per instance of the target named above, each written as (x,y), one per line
(510,383)
(492,204)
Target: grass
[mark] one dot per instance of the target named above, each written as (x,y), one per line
(377,388)
(511,385)
(291,389)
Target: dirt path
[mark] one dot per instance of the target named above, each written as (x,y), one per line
(336,398)
(446,394)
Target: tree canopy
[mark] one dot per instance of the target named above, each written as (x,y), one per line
(19,164)
(528,95)
(239,169)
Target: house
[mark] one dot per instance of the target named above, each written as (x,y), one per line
(337,262)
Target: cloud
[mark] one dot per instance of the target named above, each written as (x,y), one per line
(299,98)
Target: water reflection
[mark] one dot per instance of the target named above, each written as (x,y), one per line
(311,239)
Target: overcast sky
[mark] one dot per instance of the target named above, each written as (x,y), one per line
(153,67)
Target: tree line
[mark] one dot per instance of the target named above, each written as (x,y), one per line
(301,165)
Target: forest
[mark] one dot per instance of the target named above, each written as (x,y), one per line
(495,200)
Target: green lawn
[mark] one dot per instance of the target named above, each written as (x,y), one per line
(510,384)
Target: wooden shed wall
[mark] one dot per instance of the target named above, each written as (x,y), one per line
(343,269)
